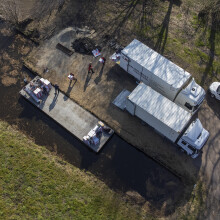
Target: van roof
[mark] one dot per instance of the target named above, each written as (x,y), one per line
(156,63)
(160,107)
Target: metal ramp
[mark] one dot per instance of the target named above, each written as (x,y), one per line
(120,100)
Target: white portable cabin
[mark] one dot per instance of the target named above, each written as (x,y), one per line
(153,69)
(163,115)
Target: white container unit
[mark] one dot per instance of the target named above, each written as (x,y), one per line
(162,75)
(167,118)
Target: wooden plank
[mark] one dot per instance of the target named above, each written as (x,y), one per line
(64,49)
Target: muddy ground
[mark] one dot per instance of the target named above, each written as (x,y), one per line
(96,92)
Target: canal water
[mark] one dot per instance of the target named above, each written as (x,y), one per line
(119,165)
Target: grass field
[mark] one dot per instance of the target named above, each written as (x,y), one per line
(36,184)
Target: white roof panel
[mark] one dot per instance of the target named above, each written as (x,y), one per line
(160,107)
(156,63)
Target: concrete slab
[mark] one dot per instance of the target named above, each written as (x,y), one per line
(121,99)
(68,114)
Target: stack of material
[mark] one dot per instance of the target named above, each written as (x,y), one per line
(46,84)
(84,45)
(30,93)
(116,57)
(96,52)
(93,137)
(38,93)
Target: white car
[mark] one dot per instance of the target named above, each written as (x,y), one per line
(215,90)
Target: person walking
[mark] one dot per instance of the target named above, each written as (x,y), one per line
(90,68)
(56,89)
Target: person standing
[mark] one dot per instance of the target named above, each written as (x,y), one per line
(56,89)
(90,69)
(72,77)
(103,61)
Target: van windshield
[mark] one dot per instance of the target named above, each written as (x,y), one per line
(218,89)
(199,135)
(188,106)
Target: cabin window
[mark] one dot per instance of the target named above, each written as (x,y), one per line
(188,106)
(199,135)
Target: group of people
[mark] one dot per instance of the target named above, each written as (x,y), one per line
(72,77)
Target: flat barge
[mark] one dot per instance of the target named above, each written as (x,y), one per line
(79,122)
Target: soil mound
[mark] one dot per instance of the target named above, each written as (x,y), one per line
(85,45)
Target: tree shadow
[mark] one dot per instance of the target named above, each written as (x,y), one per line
(163,34)
(209,65)
(128,10)
(140,12)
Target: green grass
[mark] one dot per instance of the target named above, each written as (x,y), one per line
(179,16)
(194,21)
(199,43)
(34,183)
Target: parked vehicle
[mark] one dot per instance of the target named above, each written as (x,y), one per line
(168,118)
(162,75)
(215,90)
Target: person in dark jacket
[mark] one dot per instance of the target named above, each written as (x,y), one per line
(56,89)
